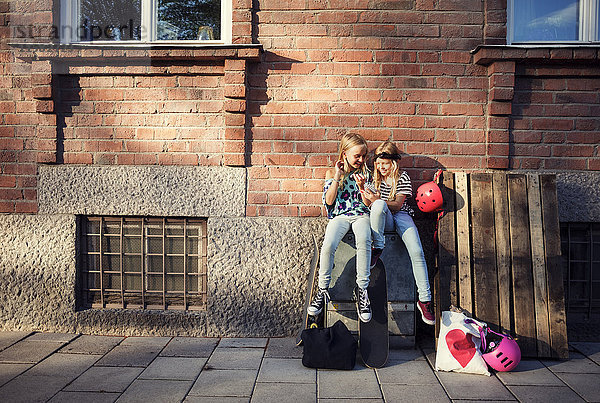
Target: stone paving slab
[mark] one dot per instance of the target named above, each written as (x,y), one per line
(164,391)
(235,383)
(53,337)
(220,399)
(577,364)
(105,379)
(9,371)
(585,385)
(27,351)
(544,394)
(130,355)
(26,388)
(236,358)
(284,392)
(405,355)
(9,338)
(286,370)
(416,372)
(591,350)
(243,342)
(173,368)
(88,344)
(283,348)
(190,347)
(529,372)
(146,341)
(64,365)
(414,393)
(350,401)
(358,383)
(473,387)
(87,397)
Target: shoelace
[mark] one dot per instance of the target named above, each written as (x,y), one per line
(363,300)
(321,297)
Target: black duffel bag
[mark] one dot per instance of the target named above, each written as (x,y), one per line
(329,348)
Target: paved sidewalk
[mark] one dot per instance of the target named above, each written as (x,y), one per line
(40,367)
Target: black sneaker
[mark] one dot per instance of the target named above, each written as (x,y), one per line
(321,298)
(363,305)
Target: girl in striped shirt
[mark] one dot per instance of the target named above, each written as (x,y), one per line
(390,211)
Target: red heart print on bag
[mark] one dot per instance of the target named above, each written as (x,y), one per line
(461,346)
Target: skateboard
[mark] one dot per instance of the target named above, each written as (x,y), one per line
(311,321)
(373,336)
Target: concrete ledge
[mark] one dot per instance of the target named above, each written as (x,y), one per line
(578,196)
(142,190)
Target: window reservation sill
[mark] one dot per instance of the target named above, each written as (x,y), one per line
(155,51)
(559,53)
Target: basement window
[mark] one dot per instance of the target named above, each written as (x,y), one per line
(143,263)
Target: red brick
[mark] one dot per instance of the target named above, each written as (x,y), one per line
(311,211)
(26,207)
(8,181)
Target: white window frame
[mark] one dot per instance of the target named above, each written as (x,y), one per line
(69,17)
(588,24)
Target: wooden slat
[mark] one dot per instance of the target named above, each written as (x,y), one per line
(540,292)
(501,219)
(446,277)
(463,241)
(521,265)
(485,279)
(556,297)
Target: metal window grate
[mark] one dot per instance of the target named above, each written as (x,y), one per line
(581,254)
(143,263)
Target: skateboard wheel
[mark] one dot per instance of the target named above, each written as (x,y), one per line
(313,326)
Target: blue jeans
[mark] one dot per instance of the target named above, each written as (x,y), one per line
(335,231)
(382,219)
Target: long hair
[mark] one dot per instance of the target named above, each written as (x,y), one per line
(388,150)
(348,141)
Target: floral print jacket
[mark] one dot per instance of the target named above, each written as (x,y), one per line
(348,200)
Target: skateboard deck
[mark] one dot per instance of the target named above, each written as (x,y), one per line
(310,321)
(373,336)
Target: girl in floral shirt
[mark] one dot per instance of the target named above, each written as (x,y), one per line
(346,207)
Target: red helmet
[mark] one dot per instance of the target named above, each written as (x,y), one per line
(429,197)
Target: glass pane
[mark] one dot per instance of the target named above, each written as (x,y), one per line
(132,227)
(115,20)
(192,246)
(112,227)
(193,230)
(153,227)
(189,20)
(580,271)
(111,262)
(93,262)
(132,263)
(174,283)
(174,228)
(93,243)
(174,245)
(132,244)
(545,20)
(111,244)
(154,264)
(174,264)
(192,283)
(154,245)
(93,227)
(579,251)
(133,282)
(192,264)
(112,281)
(154,282)
(93,280)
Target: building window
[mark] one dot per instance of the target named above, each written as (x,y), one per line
(143,263)
(138,21)
(554,21)
(581,254)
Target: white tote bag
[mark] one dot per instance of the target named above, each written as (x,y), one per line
(459,345)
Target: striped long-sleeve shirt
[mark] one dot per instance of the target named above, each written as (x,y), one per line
(403,187)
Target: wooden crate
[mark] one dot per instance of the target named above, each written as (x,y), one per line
(499,257)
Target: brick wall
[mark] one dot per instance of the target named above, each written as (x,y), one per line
(555,121)
(400,70)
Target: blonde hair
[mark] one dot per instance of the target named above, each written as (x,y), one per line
(348,141)
(387,149)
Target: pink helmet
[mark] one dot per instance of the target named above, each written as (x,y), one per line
(429,197)
(500,351)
